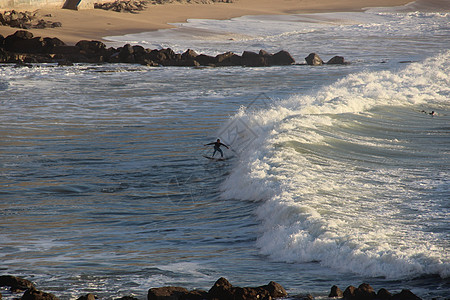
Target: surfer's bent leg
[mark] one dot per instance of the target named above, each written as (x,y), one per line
(221,152)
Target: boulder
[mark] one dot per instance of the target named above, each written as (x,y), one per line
(405,295)
(126,54)
(23,34)
(365,291)
(314,60)
(189,55)
(282,58)
(23,42)
(195,295)
(253,59)
(87,297)
(166,293)
(222,289)
(205,60)
(15,283)
(275,289)
(336,292)
(228,59)
(33,294)
(51,43)
(66,50)
(336,60)
(91,48)
(168,53)
(384,294)
(248,293)
(349,292)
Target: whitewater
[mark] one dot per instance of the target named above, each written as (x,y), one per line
(348,178)
(336,174)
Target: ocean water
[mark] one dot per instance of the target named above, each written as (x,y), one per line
(335,174)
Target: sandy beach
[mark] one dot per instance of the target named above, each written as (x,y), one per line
(93,24)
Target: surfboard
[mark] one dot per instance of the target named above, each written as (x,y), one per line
(216,159)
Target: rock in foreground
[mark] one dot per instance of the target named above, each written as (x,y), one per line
(221,290)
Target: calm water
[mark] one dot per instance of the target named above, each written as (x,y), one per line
(335,175)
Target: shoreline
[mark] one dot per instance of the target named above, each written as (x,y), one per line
(95,24)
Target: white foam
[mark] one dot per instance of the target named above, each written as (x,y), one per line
(346,212)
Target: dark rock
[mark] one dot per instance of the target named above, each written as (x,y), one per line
(336,60)
(140,54)
(349,292)
(56,24)
(33,294)
(365,291)
(166,293)
(149,63)
(205,60)
(248,293)
(24,42)
(189,55)
(91,47)
(224,56)
(23,34)
(229,59)
(51,43)
(405,295)
(195,295)
(168,53)
(384,294)
(336,292)
(87,297)
(275,289)
(282,58)
(126,54)
(222,289)
(15,283)
(314,60)
(67,63)
(66,50)
(252,59)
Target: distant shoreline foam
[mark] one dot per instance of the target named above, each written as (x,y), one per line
(94,24)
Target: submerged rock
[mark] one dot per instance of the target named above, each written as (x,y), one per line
(33,294)
(314,60)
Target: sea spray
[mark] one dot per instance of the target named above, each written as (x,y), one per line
(323,166)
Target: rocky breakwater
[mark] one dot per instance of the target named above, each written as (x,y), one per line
(221,290)
(26,20)
(23,47)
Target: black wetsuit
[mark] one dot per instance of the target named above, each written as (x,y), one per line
(217,148)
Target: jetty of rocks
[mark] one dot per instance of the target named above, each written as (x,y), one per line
(221,290)
(23,48)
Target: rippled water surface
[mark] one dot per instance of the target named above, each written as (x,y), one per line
(336,174)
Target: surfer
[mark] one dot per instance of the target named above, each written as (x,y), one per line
(432,113)
(217,145)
